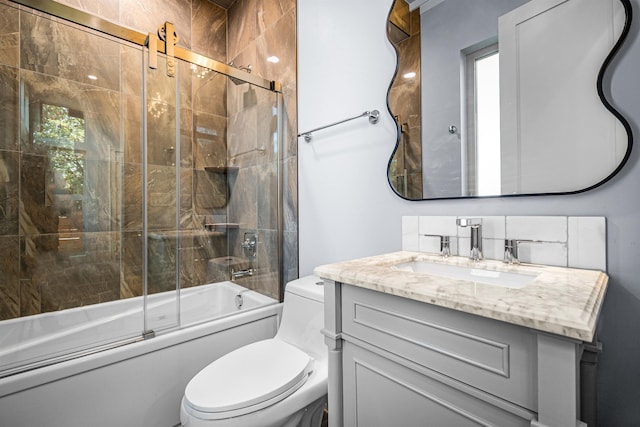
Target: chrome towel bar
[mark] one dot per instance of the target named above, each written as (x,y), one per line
(374,116)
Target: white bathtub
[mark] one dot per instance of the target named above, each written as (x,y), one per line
(138,384)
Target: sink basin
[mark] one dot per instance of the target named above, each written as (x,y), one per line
(487,277)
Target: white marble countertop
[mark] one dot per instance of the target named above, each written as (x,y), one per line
(563,301)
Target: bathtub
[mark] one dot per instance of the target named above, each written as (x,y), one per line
(137,384)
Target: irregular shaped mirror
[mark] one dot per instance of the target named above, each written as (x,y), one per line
(504,97)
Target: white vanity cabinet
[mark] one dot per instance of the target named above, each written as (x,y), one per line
(408,363)
(399,361)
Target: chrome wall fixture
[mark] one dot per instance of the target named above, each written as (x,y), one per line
(374,116)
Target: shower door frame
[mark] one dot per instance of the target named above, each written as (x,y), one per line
(141,39)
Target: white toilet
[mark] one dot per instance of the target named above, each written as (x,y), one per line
(277,382)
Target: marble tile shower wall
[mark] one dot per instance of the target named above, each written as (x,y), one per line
(47,62)
(576,242)
(259,30)
(61,249)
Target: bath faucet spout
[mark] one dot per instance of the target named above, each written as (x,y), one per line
(475,224)
(236,274)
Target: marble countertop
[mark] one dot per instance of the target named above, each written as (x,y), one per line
(563,301)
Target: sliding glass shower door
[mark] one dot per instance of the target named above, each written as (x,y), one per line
(213,187)
(124,180)
(67,93)
(161,191)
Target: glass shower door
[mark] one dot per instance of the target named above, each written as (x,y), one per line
(122,186)
(63,228)
(161,194)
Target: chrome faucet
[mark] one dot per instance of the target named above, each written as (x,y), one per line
(249,248)
(511,251)
(236,274)
(476,236)
(250,244)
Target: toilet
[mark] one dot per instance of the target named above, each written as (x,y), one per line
(271,383)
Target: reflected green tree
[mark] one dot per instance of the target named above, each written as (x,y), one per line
(63,130)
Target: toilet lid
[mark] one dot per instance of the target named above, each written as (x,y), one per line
(263,372)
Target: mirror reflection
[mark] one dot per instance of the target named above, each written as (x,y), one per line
(500,97)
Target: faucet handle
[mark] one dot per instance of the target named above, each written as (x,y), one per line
(511,249)
(445,244)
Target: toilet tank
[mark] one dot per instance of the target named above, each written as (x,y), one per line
(303,316)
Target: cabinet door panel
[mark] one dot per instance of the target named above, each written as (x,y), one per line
(489,355)
(379,392)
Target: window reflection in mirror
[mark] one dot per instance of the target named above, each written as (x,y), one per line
(483,119)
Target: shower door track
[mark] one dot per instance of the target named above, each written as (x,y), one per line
(71,356)
(136,37)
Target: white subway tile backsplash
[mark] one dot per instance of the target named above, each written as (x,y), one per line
(587,243)
(432,244)
(429,244)
(410,234)
(438,225)
(545,228)
(464,246)
(493,248)
(543,253)
(578,242)
(493,227)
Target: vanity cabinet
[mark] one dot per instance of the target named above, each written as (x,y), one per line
(401,362)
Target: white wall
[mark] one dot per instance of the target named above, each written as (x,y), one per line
(347,210)
(345,66)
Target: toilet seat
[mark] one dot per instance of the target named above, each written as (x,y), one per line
(248,379)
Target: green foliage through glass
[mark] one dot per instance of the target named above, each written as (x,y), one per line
(63,129)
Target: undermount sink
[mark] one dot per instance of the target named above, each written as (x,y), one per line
(505,279)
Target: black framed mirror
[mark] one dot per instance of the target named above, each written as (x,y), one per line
(505,97)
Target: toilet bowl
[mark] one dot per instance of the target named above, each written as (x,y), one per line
(276,382)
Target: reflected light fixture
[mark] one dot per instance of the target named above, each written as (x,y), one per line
(273,59)
(92,77)
(410,75)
